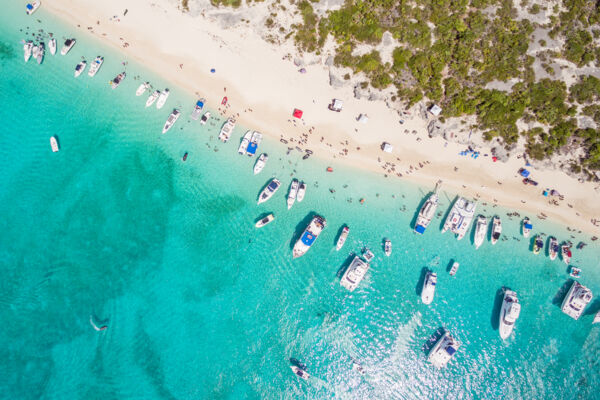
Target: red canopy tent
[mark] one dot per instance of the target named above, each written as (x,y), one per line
(298,113)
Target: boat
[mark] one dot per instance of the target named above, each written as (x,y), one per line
(118,79)
(596,318)
(41,51)
(301,192)
(265,221)
(387,247)
(269,190)
(244,143)
(368,255)
(224,101)
(460,217)
(185,156)
(69,43)
(538,245)
(481,228)
(162,99)
(357,367)
(553,248)
(142,88)
(79,68)
(171,120)
(565,251)
(205,118)
(428,290)
(291,199)
(226,129)
(254,142)
(152,98)
(454,268)
(527,227)
(96,64)
(260,163)
(299,372)
(31,7)
(509,313)
(342,239)
(576,300)
(426,213)
(34,51)
(309,236)
(52,46)
(28,49)
(198,109)
(496,229)
(54,144)
(355,273)
(575,272)
(443,351)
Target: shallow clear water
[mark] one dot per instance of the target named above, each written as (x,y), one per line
(200,304)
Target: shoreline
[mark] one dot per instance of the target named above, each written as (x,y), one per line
(269,87)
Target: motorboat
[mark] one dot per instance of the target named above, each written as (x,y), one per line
(538,245)
(265,221)
(299,372)
(357,367)
(260,163)
(553,248)
(566,254)
(31,7)
(387,247)
(69,43)
(152,98)
(481,227)
(40,54)
(426,213)
(34,51)
(576,300)
(355,273)
(52,46)
(291,199)
(254,142)
(28,49)
(509,313)
(575,272)
(460,217)
(428,290)
(226,129)
(443,351)
(527,227)
(496,229)
(96,64)
(162,98)
(80,67)
(309,236)
(205,118)
(269,190)
(368,255)
(54,144)
(198,109)
(171,120)
(342,239)
(454,268)
(142,88)
(244,143)
(301,192)
(118,79)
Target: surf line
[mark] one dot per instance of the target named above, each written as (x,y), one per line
(96,327)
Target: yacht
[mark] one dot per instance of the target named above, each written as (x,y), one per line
(260,163)
(162,99)
(426,213)
(226,129)
(79,68)
(244,143)
(52,46)
(198,109)
(460,217)
(496,229)
(443,351)
(454,268)
(299,372)
(254,142)
(69,43)
(481,228)
(565,251)
(265,221)
(205,118)
(301,192)
(596,318)
(428,290)
(291,199)
(142,89)
(342,239)
(538,245)
(387,247)
(152,98)
(553,248)
(576,300)
(354,274)
(509,313)
(28,49)
(575,272)
(171,120)
(31,7)
(118,79)
(41,51)
(95,66)
(269,191)
(309,236)
(527,227)
(54,144)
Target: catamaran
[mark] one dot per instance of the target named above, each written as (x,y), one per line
(260,163)
(538,245)
(509,313)
(205,118)
(171,120)
(291,199)
(40,54)
(299,372)
(553,248)
(387,247)
(254,142)
(426,213)
(460,217)
(301,192)
(496,229)
(342,239)
(454,268)
(142,88)
(443,351)
(52,46)
(162,98)
(198,109)
(481,227)
(118,79)
(269,191)
(566,252)
(79,68)
(576,300)
(152,98)
(69,43)
(428,290)
(244,143)
(28,49)
(527,227)
(226,129)
(355,273)
(31,7)
(265,221)
(309,236)
(98,61)
(54,144)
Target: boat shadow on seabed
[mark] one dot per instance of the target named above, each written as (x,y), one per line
(421,280)
(497,306)
(342,270)
(562,292)
(301,227)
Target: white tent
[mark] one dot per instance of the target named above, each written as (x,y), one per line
(435,110)
(385,146)
(362,118)
(336,105)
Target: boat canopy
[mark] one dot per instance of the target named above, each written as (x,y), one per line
(251,149)
(450,350)
(308,238)
(420,229)
(200,104)
(29,6)
(273,185)
(528,226)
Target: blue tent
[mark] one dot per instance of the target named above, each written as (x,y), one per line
(524,173)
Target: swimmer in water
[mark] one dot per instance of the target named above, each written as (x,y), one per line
(96,327)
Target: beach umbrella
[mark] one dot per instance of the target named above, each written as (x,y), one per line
(298,113)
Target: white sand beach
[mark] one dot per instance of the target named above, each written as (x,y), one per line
(264,86)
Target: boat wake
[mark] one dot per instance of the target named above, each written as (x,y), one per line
(96,327)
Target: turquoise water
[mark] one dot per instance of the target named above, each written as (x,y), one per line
(200,304)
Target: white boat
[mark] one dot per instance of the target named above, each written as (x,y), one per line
(496,229)
(460,217)
(596,318)
(265,221)
(426,213)
(387,247)
(198,109)
(28,50)
(299,372)
(576,300)
(244,143)
(52,46)
(40,54)
(527,227)
(428,290)
(291,199)
(226,129)
(269,190)
(368,255)
(118,79)
(342,239)
(357,367)
(69,43)
(509,313)
(575,272)
(481,227)
(205,118)
(354,274)
(301,192)
(454,268)
(162,99)
(171,120)
(142,89)
(254,142)
(566,253)
(31,7)
(553,248)
(538,245)
(152,98)
(54,144)
(260,163)
(79,68)
(309,236)
(96,64)
(34,51)
(443,351)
